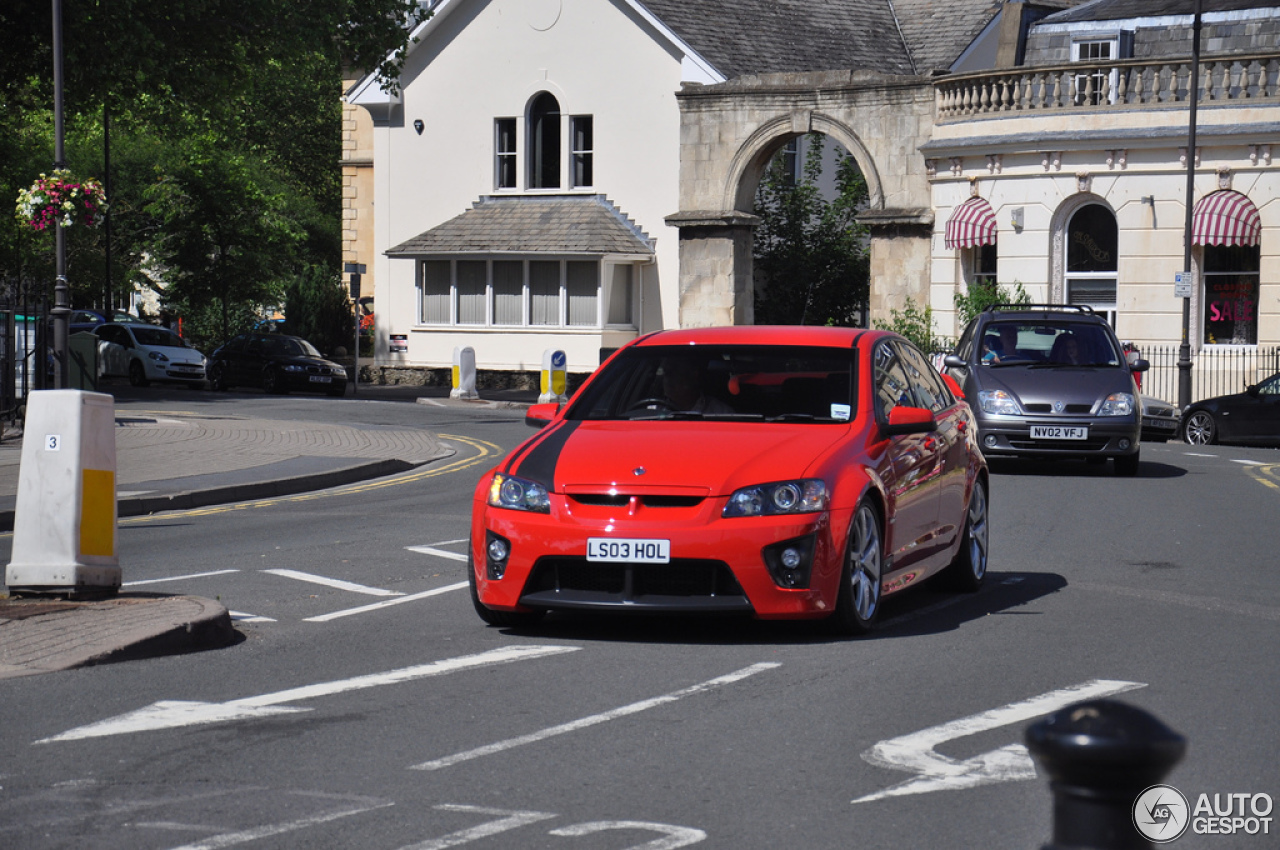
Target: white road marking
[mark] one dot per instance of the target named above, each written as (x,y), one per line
(1198,454)
(230,839)
(507,820)
(241,617)
(177,578)
(439,553)
(676,836)
(583,723)
(171,714)
(1248,462)
(413,597)
(914,753)
(333,582)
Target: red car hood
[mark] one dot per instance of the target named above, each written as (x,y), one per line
(712,458)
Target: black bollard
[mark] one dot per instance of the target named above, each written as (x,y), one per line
(1100,756)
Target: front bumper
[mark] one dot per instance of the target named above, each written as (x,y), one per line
(1011,436)
(717,565)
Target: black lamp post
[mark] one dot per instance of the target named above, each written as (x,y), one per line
(1184,350)
(61,311)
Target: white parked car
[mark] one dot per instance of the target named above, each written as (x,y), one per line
(146,353)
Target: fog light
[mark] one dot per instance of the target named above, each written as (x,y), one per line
(1124,443)
(497,549)
(989,441)
(791,561)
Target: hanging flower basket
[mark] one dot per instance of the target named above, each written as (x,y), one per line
(62,198)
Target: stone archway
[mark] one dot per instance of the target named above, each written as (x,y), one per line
(728,133)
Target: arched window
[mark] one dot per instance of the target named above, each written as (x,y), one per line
(544,142)
(1092,238)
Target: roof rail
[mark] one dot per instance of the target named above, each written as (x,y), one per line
(1076,308)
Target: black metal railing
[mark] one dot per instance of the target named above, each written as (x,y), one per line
(1214,371)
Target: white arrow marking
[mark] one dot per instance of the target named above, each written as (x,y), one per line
(364,609)
(914,753)
(439,553)
(171,714)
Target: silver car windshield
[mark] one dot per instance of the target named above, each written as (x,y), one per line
(1047,344)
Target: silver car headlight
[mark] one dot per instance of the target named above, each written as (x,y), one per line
(158,357)
(1117,404)
(518,494)
(804,496)
(999,403)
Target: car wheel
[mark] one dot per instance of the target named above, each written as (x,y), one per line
(969,568)
(858,601)
(137,374)
(218,379)
(271,383)
(1127,465)
(508,619)
(1200,429)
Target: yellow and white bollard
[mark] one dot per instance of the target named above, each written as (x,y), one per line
(64,531)
(464,373)
(555,377)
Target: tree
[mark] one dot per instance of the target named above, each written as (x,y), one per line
(979,297)
(316,308)
(812,264)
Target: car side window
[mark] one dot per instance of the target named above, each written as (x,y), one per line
(893,386)
(930,392)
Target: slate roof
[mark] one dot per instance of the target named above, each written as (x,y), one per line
(1110,10)
(558,224)
(771,36)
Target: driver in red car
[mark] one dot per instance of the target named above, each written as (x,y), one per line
(683,381)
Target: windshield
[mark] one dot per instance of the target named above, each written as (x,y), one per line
(1052,343)
(158,338)
(288,347)
(747,383)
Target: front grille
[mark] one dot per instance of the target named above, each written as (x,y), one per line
(1093,444)
(618,500)
(682,584)
(1069,410)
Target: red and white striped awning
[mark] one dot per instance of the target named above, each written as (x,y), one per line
(972,224)
(1226,218)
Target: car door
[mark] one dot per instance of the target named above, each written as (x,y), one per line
(1257,415)
(249,363)
(113,350)
(914,491)
(952,439)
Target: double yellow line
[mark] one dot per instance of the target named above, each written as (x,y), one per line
(484,451)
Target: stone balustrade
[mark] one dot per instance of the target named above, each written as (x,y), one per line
(1127,84)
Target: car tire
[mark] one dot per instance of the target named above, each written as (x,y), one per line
(1200,429)
(137,374)
(967,572)
(858,599)
(502,619)
(1126,466)
(218,380)
(271,383)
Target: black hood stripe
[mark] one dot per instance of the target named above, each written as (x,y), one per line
(539,462)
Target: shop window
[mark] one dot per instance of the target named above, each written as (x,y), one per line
(1231,276)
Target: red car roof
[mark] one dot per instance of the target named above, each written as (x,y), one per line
(760,335)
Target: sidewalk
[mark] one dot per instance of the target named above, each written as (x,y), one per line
(176,462)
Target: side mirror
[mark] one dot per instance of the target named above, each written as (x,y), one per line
(539,415)
(909,420)
(1139,365)
(953,361)
(1252,390)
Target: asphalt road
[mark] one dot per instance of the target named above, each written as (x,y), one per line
(375,710)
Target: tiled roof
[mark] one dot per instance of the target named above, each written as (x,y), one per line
(770,36)
(558,224)
(937,33)
(1110,10)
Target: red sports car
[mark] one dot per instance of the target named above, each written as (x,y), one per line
(780,472)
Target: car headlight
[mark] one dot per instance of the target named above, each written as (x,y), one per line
(1117,404)
(294,367)
(158,356)
(804,496)
(999,402)
(518,494)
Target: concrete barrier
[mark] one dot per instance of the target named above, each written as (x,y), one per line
(464,373)
(64,534)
